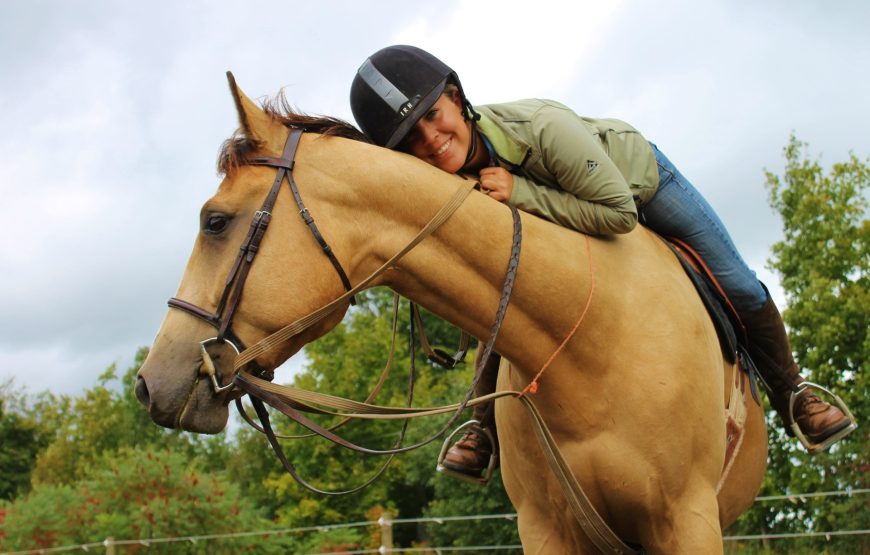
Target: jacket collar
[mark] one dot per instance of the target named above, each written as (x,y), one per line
(509,147)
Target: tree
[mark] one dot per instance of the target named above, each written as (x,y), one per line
(824,268)
(22,439)
(347,362)
(138,494)
(102,419)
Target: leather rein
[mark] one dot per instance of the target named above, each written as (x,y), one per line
(257,386)
(251,382)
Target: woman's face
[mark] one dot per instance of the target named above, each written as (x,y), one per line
(442,137)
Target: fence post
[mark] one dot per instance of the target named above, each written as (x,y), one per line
(386,533)
(110,545)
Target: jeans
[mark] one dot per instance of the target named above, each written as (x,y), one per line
(678,210)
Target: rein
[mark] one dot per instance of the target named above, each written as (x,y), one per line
(260,389)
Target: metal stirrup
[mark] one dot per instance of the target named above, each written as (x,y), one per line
(486,475)
(813,448)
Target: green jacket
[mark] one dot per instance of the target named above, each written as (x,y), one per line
(586,174)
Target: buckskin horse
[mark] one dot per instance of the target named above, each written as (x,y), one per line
(636,400)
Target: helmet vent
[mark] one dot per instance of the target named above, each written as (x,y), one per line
(388,92)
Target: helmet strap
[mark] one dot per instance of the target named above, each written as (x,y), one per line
(472,117)
(473,149)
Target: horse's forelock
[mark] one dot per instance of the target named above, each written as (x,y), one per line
(240,146)
(235,151)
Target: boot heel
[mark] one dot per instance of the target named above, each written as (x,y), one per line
(485,476)
(813,448)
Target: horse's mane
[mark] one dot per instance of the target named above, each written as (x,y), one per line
(235,150)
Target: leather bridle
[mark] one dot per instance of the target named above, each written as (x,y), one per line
(222,317)
(588,518)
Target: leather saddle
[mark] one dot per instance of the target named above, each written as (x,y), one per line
(730,330)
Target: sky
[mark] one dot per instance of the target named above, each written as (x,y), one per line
(113,113)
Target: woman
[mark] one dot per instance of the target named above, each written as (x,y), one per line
(596,176)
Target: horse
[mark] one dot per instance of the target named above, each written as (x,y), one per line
(635,400)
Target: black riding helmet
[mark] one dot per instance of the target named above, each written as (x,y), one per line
(394,88)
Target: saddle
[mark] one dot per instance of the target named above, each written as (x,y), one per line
(729,328)
(733,340)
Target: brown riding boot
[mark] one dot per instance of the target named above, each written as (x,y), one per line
(770,350)
(471,455)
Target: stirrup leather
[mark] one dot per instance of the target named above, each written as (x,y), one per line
(484,478)
(813,448)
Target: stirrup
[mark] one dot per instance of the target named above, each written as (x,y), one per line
(813,448)
(485,476)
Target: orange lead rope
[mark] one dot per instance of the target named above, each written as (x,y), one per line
(533,385)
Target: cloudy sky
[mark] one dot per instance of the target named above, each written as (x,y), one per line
(112,113)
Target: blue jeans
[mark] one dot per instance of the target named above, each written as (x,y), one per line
(678,210)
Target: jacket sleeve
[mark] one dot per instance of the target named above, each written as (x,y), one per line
(593,197)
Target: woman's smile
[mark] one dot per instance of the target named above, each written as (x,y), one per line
(442,136)
(443,148)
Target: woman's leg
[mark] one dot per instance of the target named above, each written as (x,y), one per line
(678,210)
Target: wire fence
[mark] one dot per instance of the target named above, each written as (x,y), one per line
(385,524)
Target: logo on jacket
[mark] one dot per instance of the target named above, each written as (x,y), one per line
(591,165)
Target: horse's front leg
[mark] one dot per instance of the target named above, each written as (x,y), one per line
(545,522)
(688,524)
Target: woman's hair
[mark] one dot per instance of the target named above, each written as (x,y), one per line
(451,90)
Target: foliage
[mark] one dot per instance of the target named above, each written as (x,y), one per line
(22,438)
(103,419)
(458,499)
(347,362)
(136,494)
(84,427)
(824,266)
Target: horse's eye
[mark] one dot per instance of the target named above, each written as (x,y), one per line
(215,223)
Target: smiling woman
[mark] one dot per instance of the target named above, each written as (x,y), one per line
(441,137)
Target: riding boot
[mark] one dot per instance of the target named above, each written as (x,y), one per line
(471,454)
(770,350)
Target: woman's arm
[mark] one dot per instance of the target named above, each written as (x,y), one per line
(594,196)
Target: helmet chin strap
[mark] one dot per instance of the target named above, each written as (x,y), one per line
(473,149)
(471,116)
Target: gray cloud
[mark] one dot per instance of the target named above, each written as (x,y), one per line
(113,113)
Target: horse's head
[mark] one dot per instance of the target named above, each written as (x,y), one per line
(238,297)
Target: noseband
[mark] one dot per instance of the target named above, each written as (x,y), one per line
(222,317)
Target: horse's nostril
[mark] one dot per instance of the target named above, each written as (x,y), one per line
(142,391)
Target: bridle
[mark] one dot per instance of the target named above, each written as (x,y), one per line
(252,381)
(590,521)
(222,317)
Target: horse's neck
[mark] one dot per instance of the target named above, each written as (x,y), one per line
(458,272)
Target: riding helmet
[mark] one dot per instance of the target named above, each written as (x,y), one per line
(394,88)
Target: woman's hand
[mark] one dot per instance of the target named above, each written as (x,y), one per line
(497,183)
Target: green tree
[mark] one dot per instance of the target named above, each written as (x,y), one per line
(138,494)
(105,418)
(824,267)
(347,362)
(22,438)
(102,419)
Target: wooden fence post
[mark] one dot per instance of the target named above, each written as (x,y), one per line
(386,533)
(110,545)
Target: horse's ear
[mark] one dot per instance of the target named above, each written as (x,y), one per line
(253,120)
